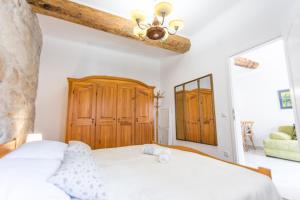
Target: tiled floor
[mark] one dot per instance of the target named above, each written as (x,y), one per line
(286,174)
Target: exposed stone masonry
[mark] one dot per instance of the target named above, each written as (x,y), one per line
(20,47)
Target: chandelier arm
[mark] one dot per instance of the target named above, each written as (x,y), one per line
(163,18)
(170,33)
(141,26)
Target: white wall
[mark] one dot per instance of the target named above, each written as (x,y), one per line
(61,59)
(256,90)
(245,25)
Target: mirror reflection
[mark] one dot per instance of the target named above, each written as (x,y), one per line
(195,115)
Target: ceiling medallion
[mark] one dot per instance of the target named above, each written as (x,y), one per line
(156,30)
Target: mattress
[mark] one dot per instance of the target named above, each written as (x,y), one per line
(131,175)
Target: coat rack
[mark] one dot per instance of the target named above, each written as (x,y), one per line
(159,95)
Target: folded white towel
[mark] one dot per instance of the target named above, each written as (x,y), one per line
(151,150)
(163,154)
(164,158)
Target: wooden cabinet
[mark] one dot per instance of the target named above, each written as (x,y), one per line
(107,112)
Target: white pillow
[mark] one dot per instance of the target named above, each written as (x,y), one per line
(17,169)
(26,179)
(44,149)
(77,148)
(80,178)
(31,190)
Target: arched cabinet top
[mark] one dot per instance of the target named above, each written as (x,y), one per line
(109,78)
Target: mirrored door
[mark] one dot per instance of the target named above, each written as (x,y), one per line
(195,114)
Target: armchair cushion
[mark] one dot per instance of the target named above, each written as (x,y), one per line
(280,136)
(287,129)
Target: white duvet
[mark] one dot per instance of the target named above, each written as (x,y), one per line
(131,175)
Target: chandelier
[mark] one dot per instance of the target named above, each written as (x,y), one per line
(156,30)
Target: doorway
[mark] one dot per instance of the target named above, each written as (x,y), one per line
(264,122)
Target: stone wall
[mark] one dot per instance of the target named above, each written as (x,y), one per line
(20,47)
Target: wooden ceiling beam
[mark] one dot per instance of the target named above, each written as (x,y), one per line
(244,62)
(87,16)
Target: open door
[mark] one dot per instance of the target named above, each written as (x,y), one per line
(293,51)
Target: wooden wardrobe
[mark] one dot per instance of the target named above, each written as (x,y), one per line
(107,112)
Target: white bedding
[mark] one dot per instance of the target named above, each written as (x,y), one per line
(131,175)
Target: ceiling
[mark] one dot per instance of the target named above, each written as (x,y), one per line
(195,13)
(212,20)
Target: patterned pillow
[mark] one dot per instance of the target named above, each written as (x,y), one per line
(77,148)
(80,178)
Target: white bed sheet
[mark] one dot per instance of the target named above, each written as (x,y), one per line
(131,175)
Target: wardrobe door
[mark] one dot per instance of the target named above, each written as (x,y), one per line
(82,113)
(125,113)
(144,116)
(179,108)
(106,113)
(207,118)
(192,117)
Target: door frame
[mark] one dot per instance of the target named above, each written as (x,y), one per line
(234,138)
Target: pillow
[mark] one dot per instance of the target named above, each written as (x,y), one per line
(44,149)
(17,169)
(80,178)
(31,190)
(26,179)
(280,136)
(77,148)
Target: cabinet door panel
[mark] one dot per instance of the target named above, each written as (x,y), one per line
(125,113)
(82,110)
(144,116)
(180,125)
(192,117)
(106,112)
(207,121)
(82,133)
(105,136)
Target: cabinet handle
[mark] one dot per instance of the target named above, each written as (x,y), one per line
(93,120)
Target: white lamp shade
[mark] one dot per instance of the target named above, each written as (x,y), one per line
(137,15)
(139,32)
(176,24)
(163,8)
(34,137)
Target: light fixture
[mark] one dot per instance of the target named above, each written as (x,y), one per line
(34,137)
(156,30)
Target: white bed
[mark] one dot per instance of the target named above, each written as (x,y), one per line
(131,175)
(127,174)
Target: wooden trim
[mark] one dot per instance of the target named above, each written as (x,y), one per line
(7,147)
(208,75)
(97,19)
(89,78)
(261,170)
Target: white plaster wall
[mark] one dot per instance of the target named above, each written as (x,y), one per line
(256,91)
(245,25)
(61,59)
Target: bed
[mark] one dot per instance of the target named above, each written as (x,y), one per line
(129,174)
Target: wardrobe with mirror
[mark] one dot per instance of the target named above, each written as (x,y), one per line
(195,113)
